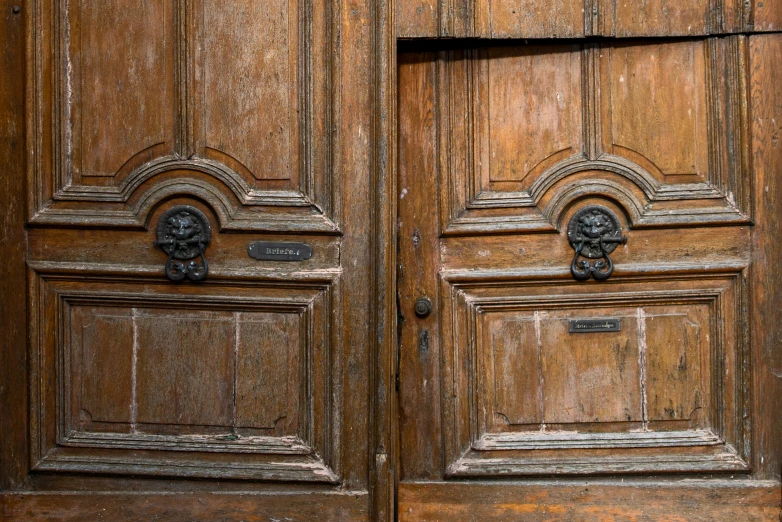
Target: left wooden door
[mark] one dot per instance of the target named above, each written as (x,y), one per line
(163,139)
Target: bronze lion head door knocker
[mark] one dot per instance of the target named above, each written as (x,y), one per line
(594,232)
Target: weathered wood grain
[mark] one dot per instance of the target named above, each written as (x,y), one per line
(579,18)
(284,92)
(767,15)
(247,507)
(526,128)
(634,127)
(766,117)
(13,303)
(118,125)
(249,57)
(417,266)
(587,501)
(238,92)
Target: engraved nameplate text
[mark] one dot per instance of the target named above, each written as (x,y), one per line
(593,325)
(272,251)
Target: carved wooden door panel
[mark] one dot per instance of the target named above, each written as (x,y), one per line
(575,272)
(197,259)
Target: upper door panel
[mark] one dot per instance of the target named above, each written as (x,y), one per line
(664,114)
(125,101)
(572,19)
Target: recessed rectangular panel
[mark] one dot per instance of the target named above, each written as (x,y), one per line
(102,368)
(534,109)
(518,382)
(677,340)
(648,371)
(515,371)
(209,381)
(118,94)
(250,67)
(184,367)
(657,108)
(268,355)
(171,372)
(590,378)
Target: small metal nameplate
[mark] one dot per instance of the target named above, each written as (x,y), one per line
(270,251)
(594,325)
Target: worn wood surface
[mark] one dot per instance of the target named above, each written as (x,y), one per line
(417,233)
(175,507)
(272,137)
(767,15)
(13,306)
(579,18)
(587,501)
(766,115)
(384,440)
(499,385)
(281,378)
(97,147)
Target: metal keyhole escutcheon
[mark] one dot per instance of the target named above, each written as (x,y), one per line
(183,233)
(594,232)
(423,307)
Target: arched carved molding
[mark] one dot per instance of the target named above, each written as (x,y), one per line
(647,202)
(218,202)
(234,202)
(606,163)
(609,190)
(651,204)
(228,177)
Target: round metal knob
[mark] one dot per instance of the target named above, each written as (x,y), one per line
(423,307)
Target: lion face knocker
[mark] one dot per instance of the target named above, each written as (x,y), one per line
(594,232)
(183,233)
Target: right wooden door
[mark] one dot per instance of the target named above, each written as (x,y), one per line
(577,282)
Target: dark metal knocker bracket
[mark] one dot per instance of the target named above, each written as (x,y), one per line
(594,232)
(183,233)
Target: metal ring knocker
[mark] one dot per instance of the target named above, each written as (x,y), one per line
(183,233)
(594,232)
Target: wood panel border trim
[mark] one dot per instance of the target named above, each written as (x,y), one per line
(677,500)
(13,246)
(383,436)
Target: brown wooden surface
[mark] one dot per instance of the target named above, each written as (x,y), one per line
(499,386)
(574,19)
(13,309)
(281,377)
(586,501)
(767,15)
(173,507)
(419,405)
(270,136)
(766,115)
(383,353)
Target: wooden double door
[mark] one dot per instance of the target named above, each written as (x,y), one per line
(361,260)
